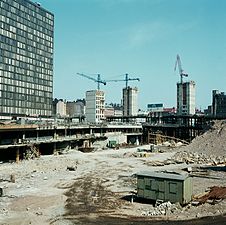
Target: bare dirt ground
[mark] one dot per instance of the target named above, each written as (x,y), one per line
(46,192)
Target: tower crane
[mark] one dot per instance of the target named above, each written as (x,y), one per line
(181,71)
(126,79)
(98,80)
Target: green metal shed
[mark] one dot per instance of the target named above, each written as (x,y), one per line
(164,186)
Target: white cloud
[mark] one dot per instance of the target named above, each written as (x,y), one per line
(141,35)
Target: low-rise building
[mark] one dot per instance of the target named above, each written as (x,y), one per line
(76,108)
(61,108)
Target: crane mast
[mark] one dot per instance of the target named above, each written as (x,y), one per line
(181,71)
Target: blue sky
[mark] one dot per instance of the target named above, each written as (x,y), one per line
(141,38)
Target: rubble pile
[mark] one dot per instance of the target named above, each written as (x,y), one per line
(190,158)
(197,158)
(212,142)
(165,208)
(136,154)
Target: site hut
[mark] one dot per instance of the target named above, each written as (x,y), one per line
(164,187)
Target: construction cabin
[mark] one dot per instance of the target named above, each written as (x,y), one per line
(164,186)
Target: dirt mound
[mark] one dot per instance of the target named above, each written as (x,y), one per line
(212,142)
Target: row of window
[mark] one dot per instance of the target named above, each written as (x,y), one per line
(29,94)
(26,69)
(26,103)
(16,59)
(24,75)
(13,52)
(25,5)
(27,11)
(29,111)
(33,41)
(23,87)
(26,62)
(27,80)
(16,27)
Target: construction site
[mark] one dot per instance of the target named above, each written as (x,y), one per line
(101,186)
(165,169)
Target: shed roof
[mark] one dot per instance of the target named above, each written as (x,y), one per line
(163,175)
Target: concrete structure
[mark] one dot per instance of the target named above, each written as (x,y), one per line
(164,186)
(61,108)
(70,108)
(75,108)
(95,104)
(109,111)
(218,103)
(26,58)
(158,110)
(129,100)
(113,110)
(186,98)
(80,107)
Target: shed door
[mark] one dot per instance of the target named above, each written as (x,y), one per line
(173,192)
(160,191)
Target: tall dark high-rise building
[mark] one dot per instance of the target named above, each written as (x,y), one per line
(186,98)
(26,58)
(218,103)
(129,101)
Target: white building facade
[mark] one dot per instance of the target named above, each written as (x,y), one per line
(95,104)
(130,101)
(61,108)
(186,98)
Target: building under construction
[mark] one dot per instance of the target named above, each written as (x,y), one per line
(95,103)
(185,92)
(130,105)
(186,98)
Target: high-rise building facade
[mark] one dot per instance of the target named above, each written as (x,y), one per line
(186,98)
(129,101)
(26,58)
(95,104)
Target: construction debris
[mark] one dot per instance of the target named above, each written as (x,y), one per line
(215,193)
(164,208)
(198,158)
(71,168)
(212,142)
(12,178)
